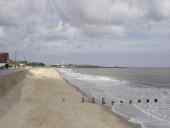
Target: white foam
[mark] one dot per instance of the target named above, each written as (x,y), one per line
(134,120)
(87,77)
(159,112)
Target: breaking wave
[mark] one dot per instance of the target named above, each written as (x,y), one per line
(149,115)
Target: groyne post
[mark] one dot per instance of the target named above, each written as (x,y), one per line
(112,103)
(130,101)
(103,100)
(93,100)
(82,100)
(156,100)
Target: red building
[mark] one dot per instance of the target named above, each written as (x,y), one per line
(4,57)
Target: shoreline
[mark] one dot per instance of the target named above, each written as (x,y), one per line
(107,107)
(43,99)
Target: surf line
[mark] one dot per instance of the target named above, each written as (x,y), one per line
(149,114)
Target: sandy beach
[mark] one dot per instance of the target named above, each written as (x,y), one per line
(40,98)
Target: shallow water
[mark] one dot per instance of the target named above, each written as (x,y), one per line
(147,88)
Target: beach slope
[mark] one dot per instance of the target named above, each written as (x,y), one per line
(44,100)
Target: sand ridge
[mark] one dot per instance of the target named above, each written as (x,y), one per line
(45,72)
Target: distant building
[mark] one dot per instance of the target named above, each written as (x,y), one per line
(4,59)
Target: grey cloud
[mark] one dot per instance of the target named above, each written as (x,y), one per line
(112,11)
(61,26)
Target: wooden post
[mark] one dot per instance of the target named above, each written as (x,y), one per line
(139,101)
(130,101)
(82,100)
(93,100)
(103,100)
(147,100)
(121,102)
(113,103)
(63,99)
(156,100)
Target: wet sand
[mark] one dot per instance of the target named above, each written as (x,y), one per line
(44,100)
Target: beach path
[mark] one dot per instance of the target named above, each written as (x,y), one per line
(44,100)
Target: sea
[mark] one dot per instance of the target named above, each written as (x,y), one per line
(141,95)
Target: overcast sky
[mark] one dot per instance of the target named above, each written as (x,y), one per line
(105,32)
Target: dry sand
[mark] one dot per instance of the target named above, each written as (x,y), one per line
(44,100)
